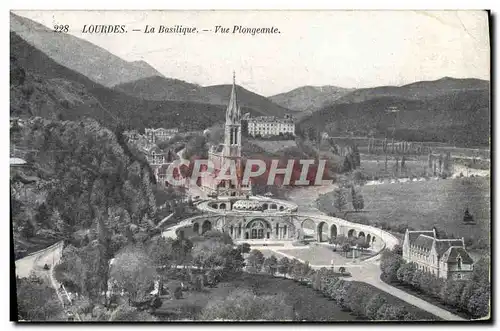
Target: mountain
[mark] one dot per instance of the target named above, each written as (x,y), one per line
(249,101)
(79,55)
(310,98)
(454,111)
(161,88)
(417,91)
(41,87)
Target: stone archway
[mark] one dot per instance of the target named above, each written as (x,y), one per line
(361,234)
(369,239)
(196,228)
(351,233)
(222,206)
(308,229)
(258,228)
(322,232)
(333,231)
(206,226)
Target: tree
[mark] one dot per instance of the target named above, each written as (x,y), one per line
(398,249)
(339,240)
(211,253)
(479,302)
(346,248)
(284,266)
(468,217)
(244,248)
(37,301)
(358,202)
(244,305)
(373,305)
(358,178)
(405,272)
(134,271)
(451,292)
(339,199)
(348,164)
(61,226)
(390,264)
(125,312)
(256,259)
(270,264)
(160,251)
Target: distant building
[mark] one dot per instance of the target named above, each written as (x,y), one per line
(160,161)
(267,126)
(156,156)
(444,258)
(160,134)
(132,135)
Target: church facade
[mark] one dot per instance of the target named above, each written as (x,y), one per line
(229,152)
(443,258)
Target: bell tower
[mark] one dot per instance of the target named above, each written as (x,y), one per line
(232,131)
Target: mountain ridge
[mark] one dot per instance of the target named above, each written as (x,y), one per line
(80,55)
(309,98)
(33,93)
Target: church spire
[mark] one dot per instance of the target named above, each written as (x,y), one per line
(233,111)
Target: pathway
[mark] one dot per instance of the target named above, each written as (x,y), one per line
(367,271)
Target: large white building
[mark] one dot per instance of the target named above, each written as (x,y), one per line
(443,258)
(267,126)
(160,134)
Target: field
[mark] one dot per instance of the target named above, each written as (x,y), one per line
(308,304)
(433,203)
(317,255)
(375,167)
(272,147)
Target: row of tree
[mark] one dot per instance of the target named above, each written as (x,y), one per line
(340,201)
(359,298)
(470,296)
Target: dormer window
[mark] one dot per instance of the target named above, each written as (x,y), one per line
(459,262)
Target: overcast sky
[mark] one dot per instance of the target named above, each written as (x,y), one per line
(342,48)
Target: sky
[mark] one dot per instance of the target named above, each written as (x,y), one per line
(351,49)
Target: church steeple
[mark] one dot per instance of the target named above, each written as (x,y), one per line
(233,110)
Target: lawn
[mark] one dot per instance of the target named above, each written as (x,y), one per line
(424,205)
(273,146)
(317,255)
(308,304)
(375,168)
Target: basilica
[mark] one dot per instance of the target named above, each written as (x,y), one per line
(228,151)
